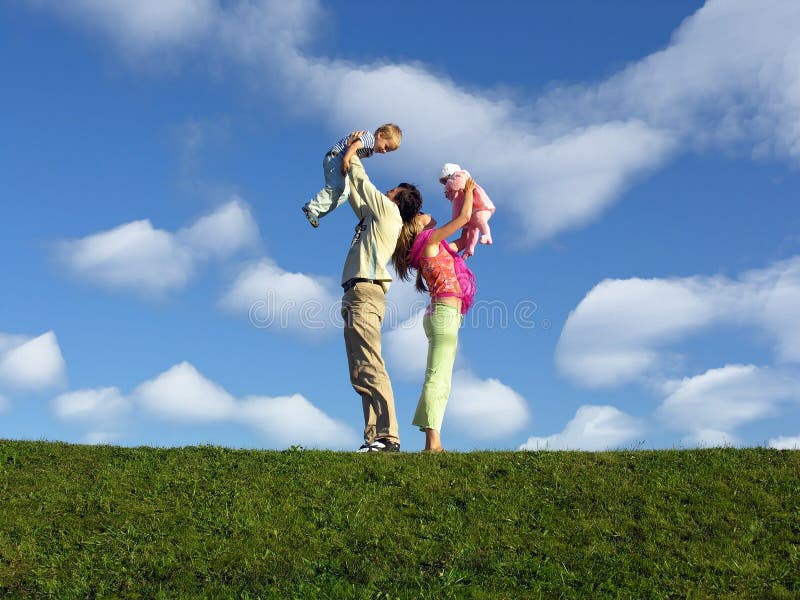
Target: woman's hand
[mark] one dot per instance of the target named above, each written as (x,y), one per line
(460,220)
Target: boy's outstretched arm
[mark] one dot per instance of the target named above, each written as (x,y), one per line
(355,144)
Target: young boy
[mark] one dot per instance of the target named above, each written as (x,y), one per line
(336,163)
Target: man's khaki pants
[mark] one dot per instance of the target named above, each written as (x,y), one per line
(363,307)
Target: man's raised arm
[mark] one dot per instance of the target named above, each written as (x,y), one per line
(367,192)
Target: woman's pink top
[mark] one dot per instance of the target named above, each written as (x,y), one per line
(445,274)
(440,275)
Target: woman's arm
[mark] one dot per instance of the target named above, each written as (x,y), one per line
(459,244)
(461,219)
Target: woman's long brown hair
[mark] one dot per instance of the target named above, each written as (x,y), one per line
(401,259)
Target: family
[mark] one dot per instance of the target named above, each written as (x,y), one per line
(392,227)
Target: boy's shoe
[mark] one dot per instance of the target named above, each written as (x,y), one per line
(311,217)
(382,445)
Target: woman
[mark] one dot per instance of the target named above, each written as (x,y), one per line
(423,247)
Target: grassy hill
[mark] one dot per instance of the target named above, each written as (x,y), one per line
(81,522)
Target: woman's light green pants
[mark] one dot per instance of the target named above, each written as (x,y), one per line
(441,326)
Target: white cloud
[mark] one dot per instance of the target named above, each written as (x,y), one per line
(222,233)
(279,300)
(729,78)
(709,438)
(405,348)
(293,420)
(98,405)
(785,443)
(139,258)
(732,67)
(592,428)
(105,410)
(145,25)
(133,256)
(622,330)
(720,400)
(183,394)
(5,404)
(775,305)
(9,341)
(484,408)
(31,363)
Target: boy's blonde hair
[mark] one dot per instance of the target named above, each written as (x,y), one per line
(390,131)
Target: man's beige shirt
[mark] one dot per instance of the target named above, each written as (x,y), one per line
(377,230)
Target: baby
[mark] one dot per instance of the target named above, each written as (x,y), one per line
(336,163)
(453,177)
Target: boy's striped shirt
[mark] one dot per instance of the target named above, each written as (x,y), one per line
(367,150)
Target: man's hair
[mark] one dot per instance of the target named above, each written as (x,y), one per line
(408,200)
(390,131)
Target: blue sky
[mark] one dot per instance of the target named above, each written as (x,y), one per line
(162,287)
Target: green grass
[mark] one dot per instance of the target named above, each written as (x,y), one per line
(82,522)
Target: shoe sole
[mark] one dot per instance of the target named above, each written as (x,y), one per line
(313,221)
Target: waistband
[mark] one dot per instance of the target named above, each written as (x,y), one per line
(351,283)
(434,303)
(441,311)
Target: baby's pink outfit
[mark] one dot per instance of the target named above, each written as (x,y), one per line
(477,229)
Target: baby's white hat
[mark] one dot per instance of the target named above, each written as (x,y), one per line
(448,169)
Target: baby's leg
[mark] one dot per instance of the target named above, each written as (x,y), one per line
(472,234)
(335,192)
(324,202)
(337,197)
(482,220)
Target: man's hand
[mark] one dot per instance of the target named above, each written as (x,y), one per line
(355,136)
(355,143)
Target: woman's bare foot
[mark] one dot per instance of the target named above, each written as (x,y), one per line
(433,443)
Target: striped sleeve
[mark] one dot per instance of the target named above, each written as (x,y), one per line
(367,149)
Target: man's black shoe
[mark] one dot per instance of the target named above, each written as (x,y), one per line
(382,445)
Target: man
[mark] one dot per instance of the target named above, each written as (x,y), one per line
(365,281)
